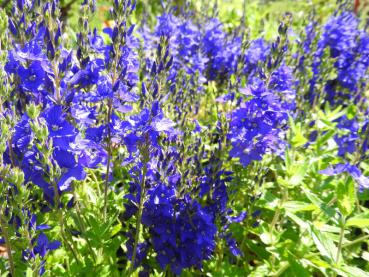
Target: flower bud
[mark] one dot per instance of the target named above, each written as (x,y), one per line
(33,111)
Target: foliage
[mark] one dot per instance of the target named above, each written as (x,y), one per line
(184,138)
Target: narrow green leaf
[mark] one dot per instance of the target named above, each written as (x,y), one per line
(346,197)
(324,244)
(328,211)
(303,224)
(360,220)
(324,138)
(115,229)
(298,206)
(296,267)
(299,173)
(352,271)
(298,139)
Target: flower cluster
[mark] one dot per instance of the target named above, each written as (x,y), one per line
(257,125)
(346,44)
(339,68)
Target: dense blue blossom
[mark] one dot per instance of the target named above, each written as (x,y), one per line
(63,136)
(166,25)
(171,120)
(257,124)
(256,54)
(146,127)
(182,232)
(346,43)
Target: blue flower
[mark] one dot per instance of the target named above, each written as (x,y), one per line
(181,239)
(166,25)
(353,170)
(43,246)
(22,136)
(32,77)
(88,76)
(347,142)
(257,125)
(60,130)
(146,127)
(340,33)
(347,47)
(256,55)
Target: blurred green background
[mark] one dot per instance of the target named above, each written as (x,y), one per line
(261,16)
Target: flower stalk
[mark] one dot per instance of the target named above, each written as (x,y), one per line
(4,231)
(141,205)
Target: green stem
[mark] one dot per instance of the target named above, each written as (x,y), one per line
(274,222)
(243,13)
(33,265)
(83,228)
(139,217)
(276,219)
(64,237)
(11,153)
(282,270)
(114,78)
(339,249)
(57,84)
(61,222)
(95,180)
(278,213)
(5,233)
(355,241)
(108,161)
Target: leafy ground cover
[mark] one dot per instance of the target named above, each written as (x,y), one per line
(164,138)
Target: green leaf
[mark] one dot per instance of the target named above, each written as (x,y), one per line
(351,111)
(91,194)
(346,197)
(351,271)
(298,171)
(328,211)
(335,114)
(324,138)
(360,220)
(324,244)
(268,238)
(365,256)
(287,157)
(298,139)
(296,267)
(269,201)
(115,229)
(303,224)
(258,249)
(318,262)
(29,272)
(298,206)
(261,270)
